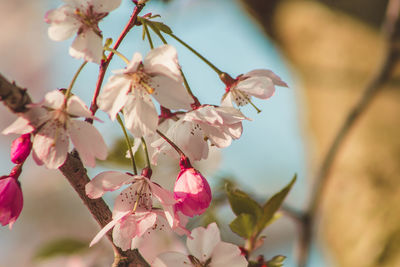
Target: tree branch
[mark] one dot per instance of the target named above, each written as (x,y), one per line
(16,99)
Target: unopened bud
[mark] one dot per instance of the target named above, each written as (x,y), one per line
(20,148)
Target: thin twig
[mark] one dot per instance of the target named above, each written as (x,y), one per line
(104,64)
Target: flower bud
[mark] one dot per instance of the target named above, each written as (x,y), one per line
(191,190)
(11,200)
(20,148)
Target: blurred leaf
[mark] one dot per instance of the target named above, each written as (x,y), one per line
(59,247)
(243,225)
(276,261)
(117,155)
(159,26)
(273,204)
(241,203)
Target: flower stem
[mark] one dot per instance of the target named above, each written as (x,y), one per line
(128,143)
(146,30)
(177,149)
(68,92)
(218,71)
(124,58)
(146,152)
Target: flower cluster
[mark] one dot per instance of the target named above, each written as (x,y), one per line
(184,128)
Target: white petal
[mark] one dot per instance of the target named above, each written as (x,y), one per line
(101,6)
(114,95)
(124,201)
(164,196)
(266,73)
(171,259)
(76,107)
(226,254)
(227,100)
(54,99)
(163,60)
(87,45)
(261,87)
(124,231)
(230,115)
(88,141)
(51,145)
(106,181)
(19,126)
(204,241)
(63,23)
(217,136)
(134,63)
(147,220)
(170,93)
(140,114)
(107,228)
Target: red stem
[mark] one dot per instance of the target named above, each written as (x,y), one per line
(104,63)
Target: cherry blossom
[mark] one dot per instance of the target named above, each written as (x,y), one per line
(11,200)
(206,249)
(258,83)
(191,190)
(192,131)
(53,123)
(158,75)
(81,17)
(20,148)
(134,214)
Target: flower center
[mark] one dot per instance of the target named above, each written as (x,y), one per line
(141,81)
(89,19)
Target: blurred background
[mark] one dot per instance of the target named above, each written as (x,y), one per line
(327,51)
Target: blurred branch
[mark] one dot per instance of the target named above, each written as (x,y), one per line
(16,99)
(391,29)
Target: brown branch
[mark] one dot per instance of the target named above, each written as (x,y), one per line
(16,99)
(391,29)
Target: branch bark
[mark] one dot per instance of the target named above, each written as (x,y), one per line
(16,99)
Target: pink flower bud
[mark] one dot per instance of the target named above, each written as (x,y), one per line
(11,200)
(191,190)
(20,148)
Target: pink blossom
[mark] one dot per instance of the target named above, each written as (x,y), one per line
(11,200)
(258,83)
(206,249)
(191,190)
(20,148)
(53,122)
(133,213)
(81,17)
(130,89)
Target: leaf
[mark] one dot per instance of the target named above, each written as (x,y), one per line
(58,247)
(116,155)
(273,204)
(160,26)
(276,261)
(243,225)
(241,202)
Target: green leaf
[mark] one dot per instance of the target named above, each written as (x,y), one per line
(276,261)
(64,246)
(117,155)
(160,26)
(243,225)
(273,204)
(241,202)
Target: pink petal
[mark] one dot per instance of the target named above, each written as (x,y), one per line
(63,23)
(125,231)
(226,254)
(134,63)
(171,93)
(88,46)
(163,60)
(140,114)
(144,222)
(107,181)
(266,73)
(261,87)
(204,241)
(101,6)
(107,228)
(54,100)
(19,126)
(76,107)
(50,145)
(114,95)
